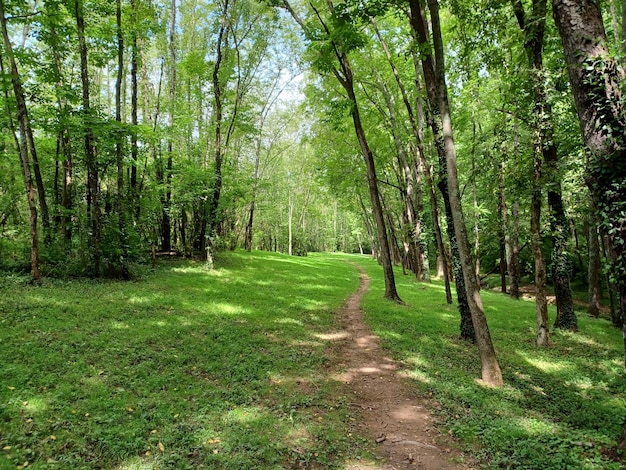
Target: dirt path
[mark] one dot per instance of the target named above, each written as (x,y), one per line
(387,410)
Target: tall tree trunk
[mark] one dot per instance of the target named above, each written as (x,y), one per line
(26,129)
(218,154)
(541,303)
(435,82)
(467,330)
(595,79)
(22,146)
(134,96)
(407,185)
(504,233)
(66,201)
(93,203)
(119,150)
(533,28)
(593,247)
(166,217)
(515,273)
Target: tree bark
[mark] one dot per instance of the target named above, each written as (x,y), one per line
(541,302)
(593,248)
(22,147)
(218,151)
(534,28)
(166,178)
(66,200)
(435,82)
(93,203)
(513,256)
(433,90)
(119,150)
(595,78)
(134,96)
(25,127)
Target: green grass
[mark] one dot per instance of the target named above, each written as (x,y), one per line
(182,369)
(562,407)
(226,369)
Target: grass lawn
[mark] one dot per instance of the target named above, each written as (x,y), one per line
(226,370)
(182,369)
(561,407)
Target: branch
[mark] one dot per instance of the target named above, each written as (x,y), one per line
(518,9)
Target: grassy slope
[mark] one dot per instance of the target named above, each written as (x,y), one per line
(184,369)
(560,407)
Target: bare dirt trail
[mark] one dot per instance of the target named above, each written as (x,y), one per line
(387,410)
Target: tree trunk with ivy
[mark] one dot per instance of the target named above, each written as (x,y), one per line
(593,248)
(595,78)
(432,85)
(533,26)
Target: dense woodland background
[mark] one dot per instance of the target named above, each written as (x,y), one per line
(138,128)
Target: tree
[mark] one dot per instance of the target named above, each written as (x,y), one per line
(595,78)
(22,145)
(437,94)
(93,196)
(334,58)
(533,26)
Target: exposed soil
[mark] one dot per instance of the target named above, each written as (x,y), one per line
(387,410)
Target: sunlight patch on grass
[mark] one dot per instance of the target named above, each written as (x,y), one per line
(229,309)
(533,426)
(243,415)
(417,361)
(288,321)
(306,344)
(34,405)
(310,304)
(332,336)
(138,463)
(584,340)
(545,365)
(136,300)
(416,374)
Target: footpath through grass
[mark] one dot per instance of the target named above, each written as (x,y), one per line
(561,407)
(184,369)
(189,369)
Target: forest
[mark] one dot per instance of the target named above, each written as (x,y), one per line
(473,145)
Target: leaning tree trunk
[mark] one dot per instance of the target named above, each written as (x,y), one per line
(22,148)
(437,93)
(467,327)
(595,79)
